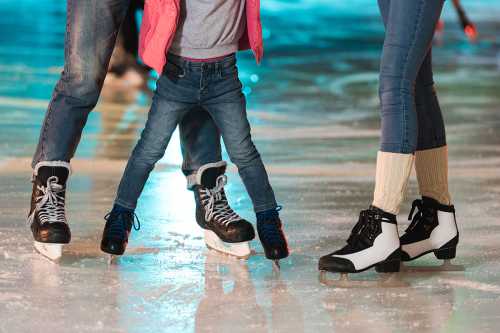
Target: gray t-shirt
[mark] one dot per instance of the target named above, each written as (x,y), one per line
(209,28)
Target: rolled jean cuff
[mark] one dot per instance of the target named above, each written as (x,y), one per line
(397,148)
(125,204)
(264,207)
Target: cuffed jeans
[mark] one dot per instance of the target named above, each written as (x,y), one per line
(411,116)
(182,87)
(91,30)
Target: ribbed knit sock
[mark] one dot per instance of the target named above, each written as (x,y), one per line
(391,180)
(432,174)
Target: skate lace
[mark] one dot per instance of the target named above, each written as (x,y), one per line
(50,205)
(216,205)
(367,228)
(118,223)
(415,219)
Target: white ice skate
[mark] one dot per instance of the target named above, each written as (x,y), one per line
(433,230)
(48,250)
(239,250)
(225,231)
(47,217)
(374,242)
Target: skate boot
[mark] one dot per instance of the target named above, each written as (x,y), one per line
(272,237)
(433,229)
(374,242)
(225,231)
(47,217)
(118,226)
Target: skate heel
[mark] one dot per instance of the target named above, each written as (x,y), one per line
(446,254)
(388,266)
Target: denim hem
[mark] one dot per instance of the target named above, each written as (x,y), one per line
(397,148)
(263,208)
(438,143)
(125,204)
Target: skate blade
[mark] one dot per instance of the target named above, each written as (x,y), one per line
(112,259)
(447,266)
(387,280)
(50,251)
(239,250)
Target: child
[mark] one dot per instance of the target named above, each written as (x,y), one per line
(192,43)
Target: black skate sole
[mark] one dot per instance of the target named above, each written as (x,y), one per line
(386,266)
(447,251)
(392,266)
(110,251)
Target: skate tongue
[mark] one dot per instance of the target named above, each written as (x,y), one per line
(208,174)
(45,172)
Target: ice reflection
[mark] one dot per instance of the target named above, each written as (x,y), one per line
(229,303)
(385,310)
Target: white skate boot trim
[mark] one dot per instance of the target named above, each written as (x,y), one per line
(445,231)
(238,250)
(49,250)
(383,246)
(204,167)
(51,164)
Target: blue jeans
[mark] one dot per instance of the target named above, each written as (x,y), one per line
(91,30)
(182,87)
(411,116)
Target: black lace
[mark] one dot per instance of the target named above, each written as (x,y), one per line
(364,232)
(118,223)
(415,219)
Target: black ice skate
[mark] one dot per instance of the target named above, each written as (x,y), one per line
(433,230)
(273,239)
(47,217)
(117,230)
(225,231)
(374,242)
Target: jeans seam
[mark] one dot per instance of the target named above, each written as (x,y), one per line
(404,139)
(48,116)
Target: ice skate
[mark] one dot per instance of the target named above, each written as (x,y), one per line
(374,242)
(225,231)
(116,232)
(433,230)
(47,217)
(273,238)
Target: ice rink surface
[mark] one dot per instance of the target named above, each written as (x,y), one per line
(314,110)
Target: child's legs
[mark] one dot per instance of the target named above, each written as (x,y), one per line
(431,158)
(200,142)
(162,121)
(230,117)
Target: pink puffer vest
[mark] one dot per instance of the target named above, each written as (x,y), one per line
(159,24)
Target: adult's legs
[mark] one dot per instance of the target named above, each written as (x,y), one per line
(374,240)
(409,30)
(200,142)
(431,157)
(92,27)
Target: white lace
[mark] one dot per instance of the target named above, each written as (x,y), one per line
(216,205)
(50,205)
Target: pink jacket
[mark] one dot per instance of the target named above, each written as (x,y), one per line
(159,25)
